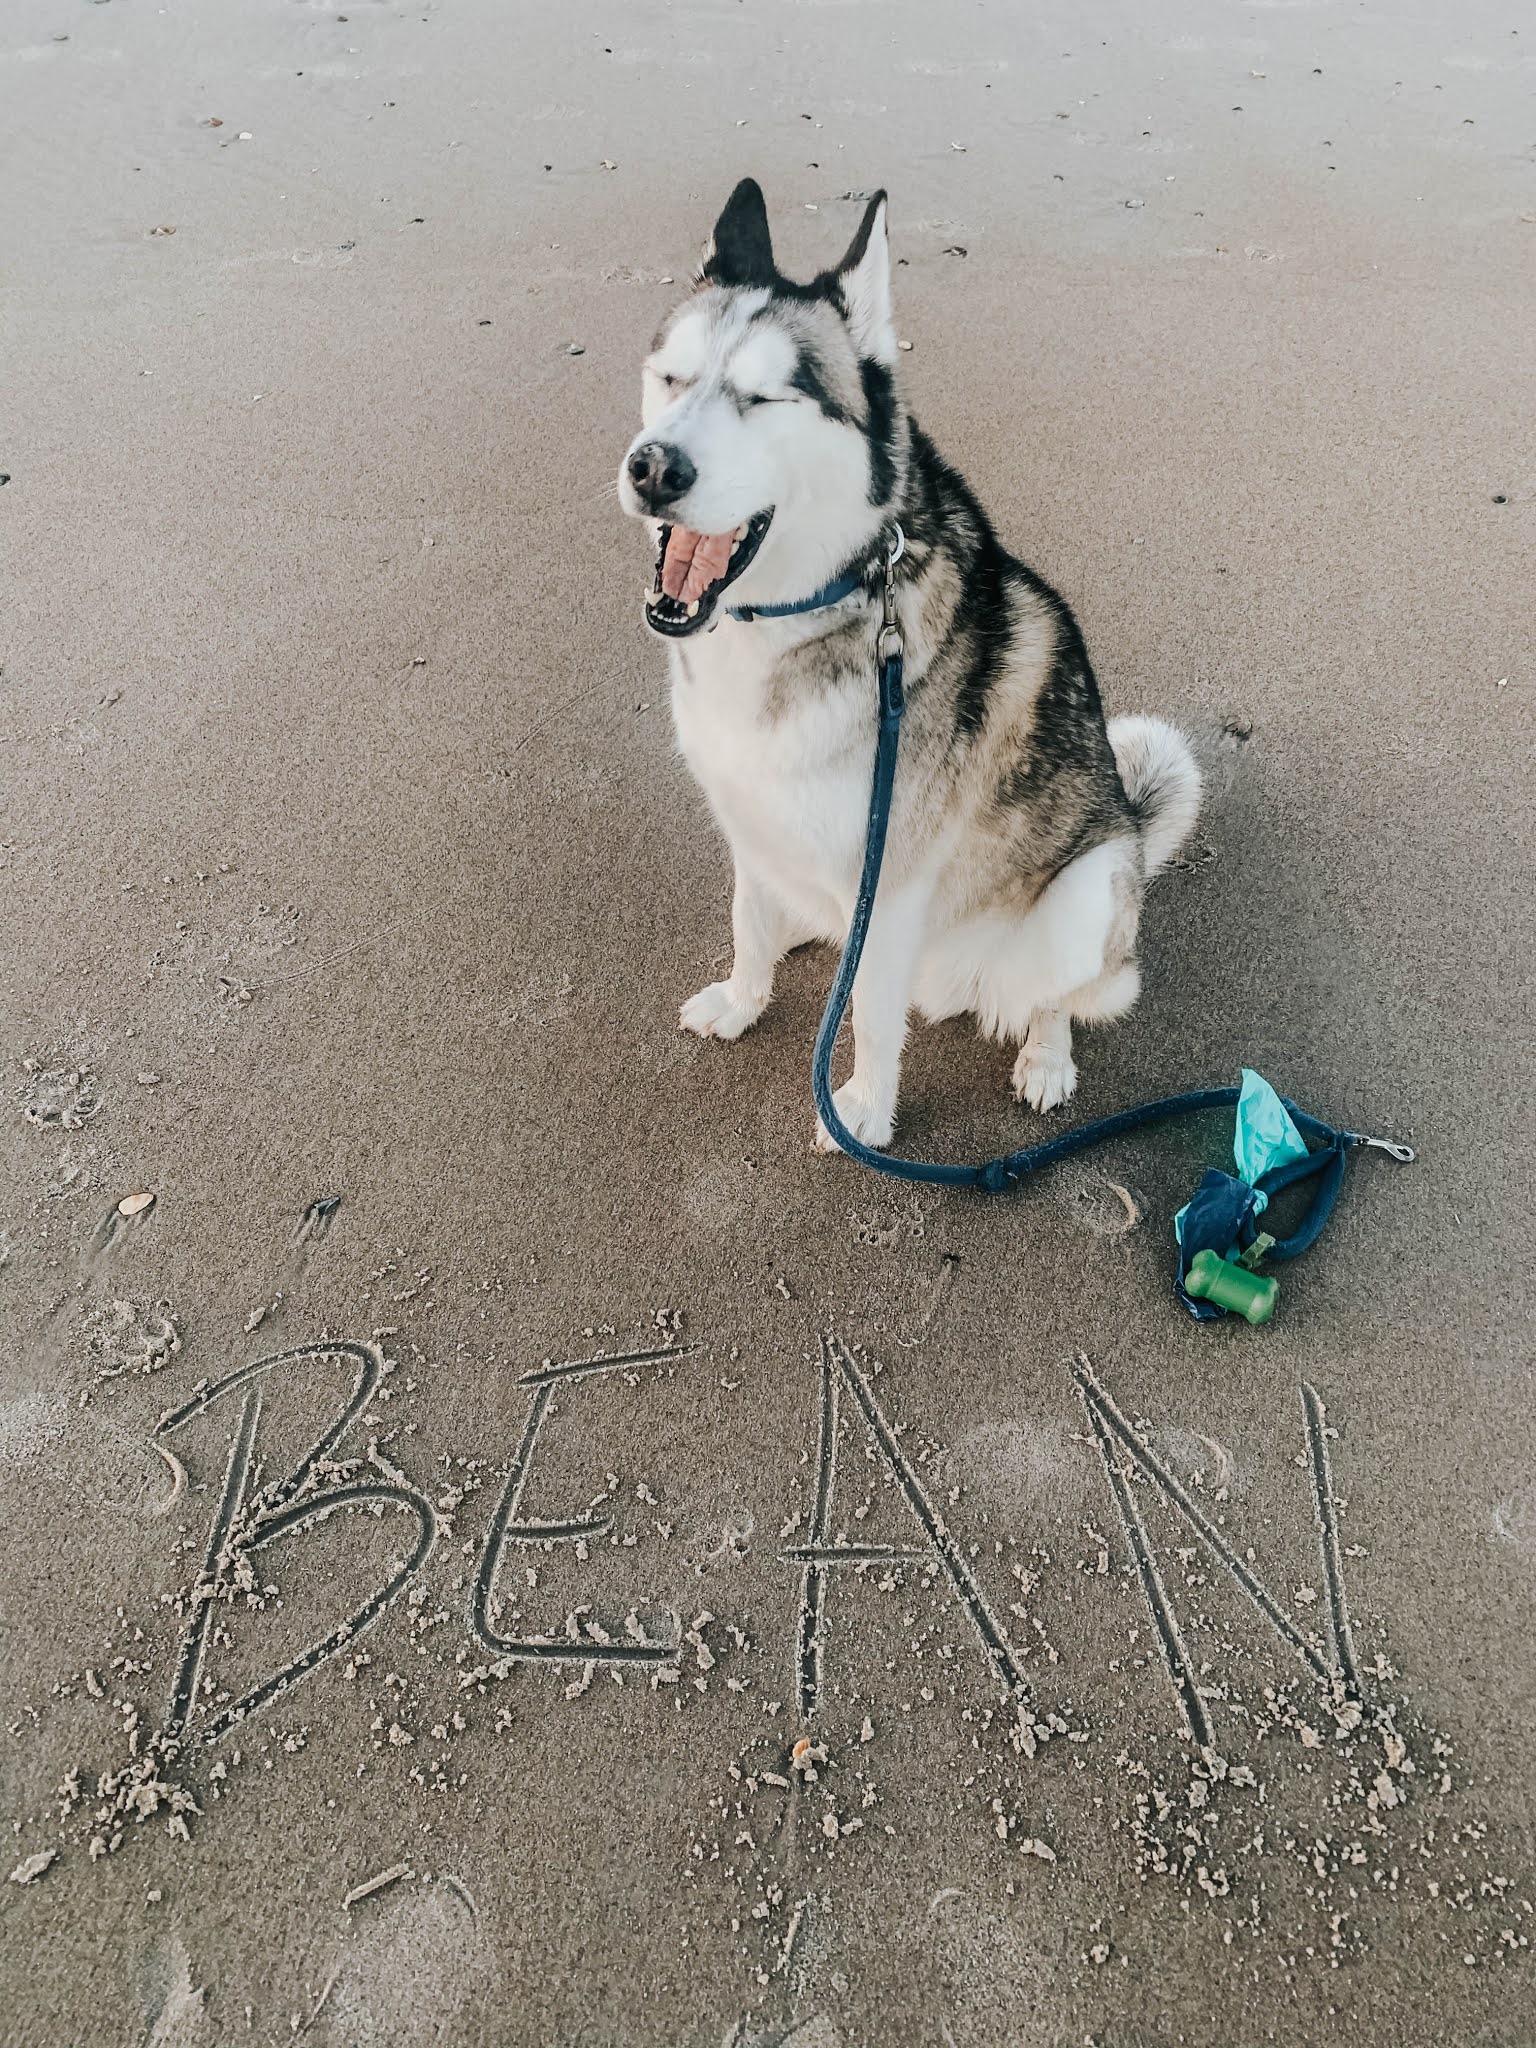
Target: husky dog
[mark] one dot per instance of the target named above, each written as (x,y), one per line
(777,462)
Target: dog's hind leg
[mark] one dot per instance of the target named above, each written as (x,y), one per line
(1045,1073)
(761,933)
(1111,996)
(1076,961)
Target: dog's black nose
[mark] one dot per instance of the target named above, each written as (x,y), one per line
(661,474)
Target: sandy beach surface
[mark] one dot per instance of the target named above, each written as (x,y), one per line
(365,1679)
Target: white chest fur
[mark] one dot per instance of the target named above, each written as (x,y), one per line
(785,764)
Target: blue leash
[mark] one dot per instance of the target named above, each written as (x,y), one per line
(1325,1165)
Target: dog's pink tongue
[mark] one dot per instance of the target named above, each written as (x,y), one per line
(693,562)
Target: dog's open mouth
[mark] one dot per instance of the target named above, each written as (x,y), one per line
(692,571)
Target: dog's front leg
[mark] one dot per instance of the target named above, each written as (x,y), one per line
(882,994)
(758,931)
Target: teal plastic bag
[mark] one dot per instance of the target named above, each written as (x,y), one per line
(1265,1138)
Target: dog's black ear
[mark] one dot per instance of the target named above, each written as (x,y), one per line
(864,280)
(740,251)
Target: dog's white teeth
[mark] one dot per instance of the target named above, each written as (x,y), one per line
(735,545)
(693,609)
(741,532)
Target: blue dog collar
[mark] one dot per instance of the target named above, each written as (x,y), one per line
(829,593)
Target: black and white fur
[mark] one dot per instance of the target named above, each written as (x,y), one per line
(1023,830)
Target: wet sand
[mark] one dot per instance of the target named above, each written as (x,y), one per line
(351,884)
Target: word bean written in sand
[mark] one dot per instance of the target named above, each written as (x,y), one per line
(253,1512)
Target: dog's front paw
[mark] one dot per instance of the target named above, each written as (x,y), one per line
(1044,1077)
(869,1123)
(719,1012)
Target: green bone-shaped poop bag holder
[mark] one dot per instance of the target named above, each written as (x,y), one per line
(1215,1279)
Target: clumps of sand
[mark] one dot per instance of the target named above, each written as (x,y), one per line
(137,1791)
(143,1787)
(1337,1815)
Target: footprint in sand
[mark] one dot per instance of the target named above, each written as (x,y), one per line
(1108,1208)
(60,1094)
(404,1978)
(1199,1457)
(174,2005)
(131,1336)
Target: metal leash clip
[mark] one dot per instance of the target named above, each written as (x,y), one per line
(1403,1154)
(888,646)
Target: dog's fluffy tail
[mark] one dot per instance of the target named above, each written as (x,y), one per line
(1161,781)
